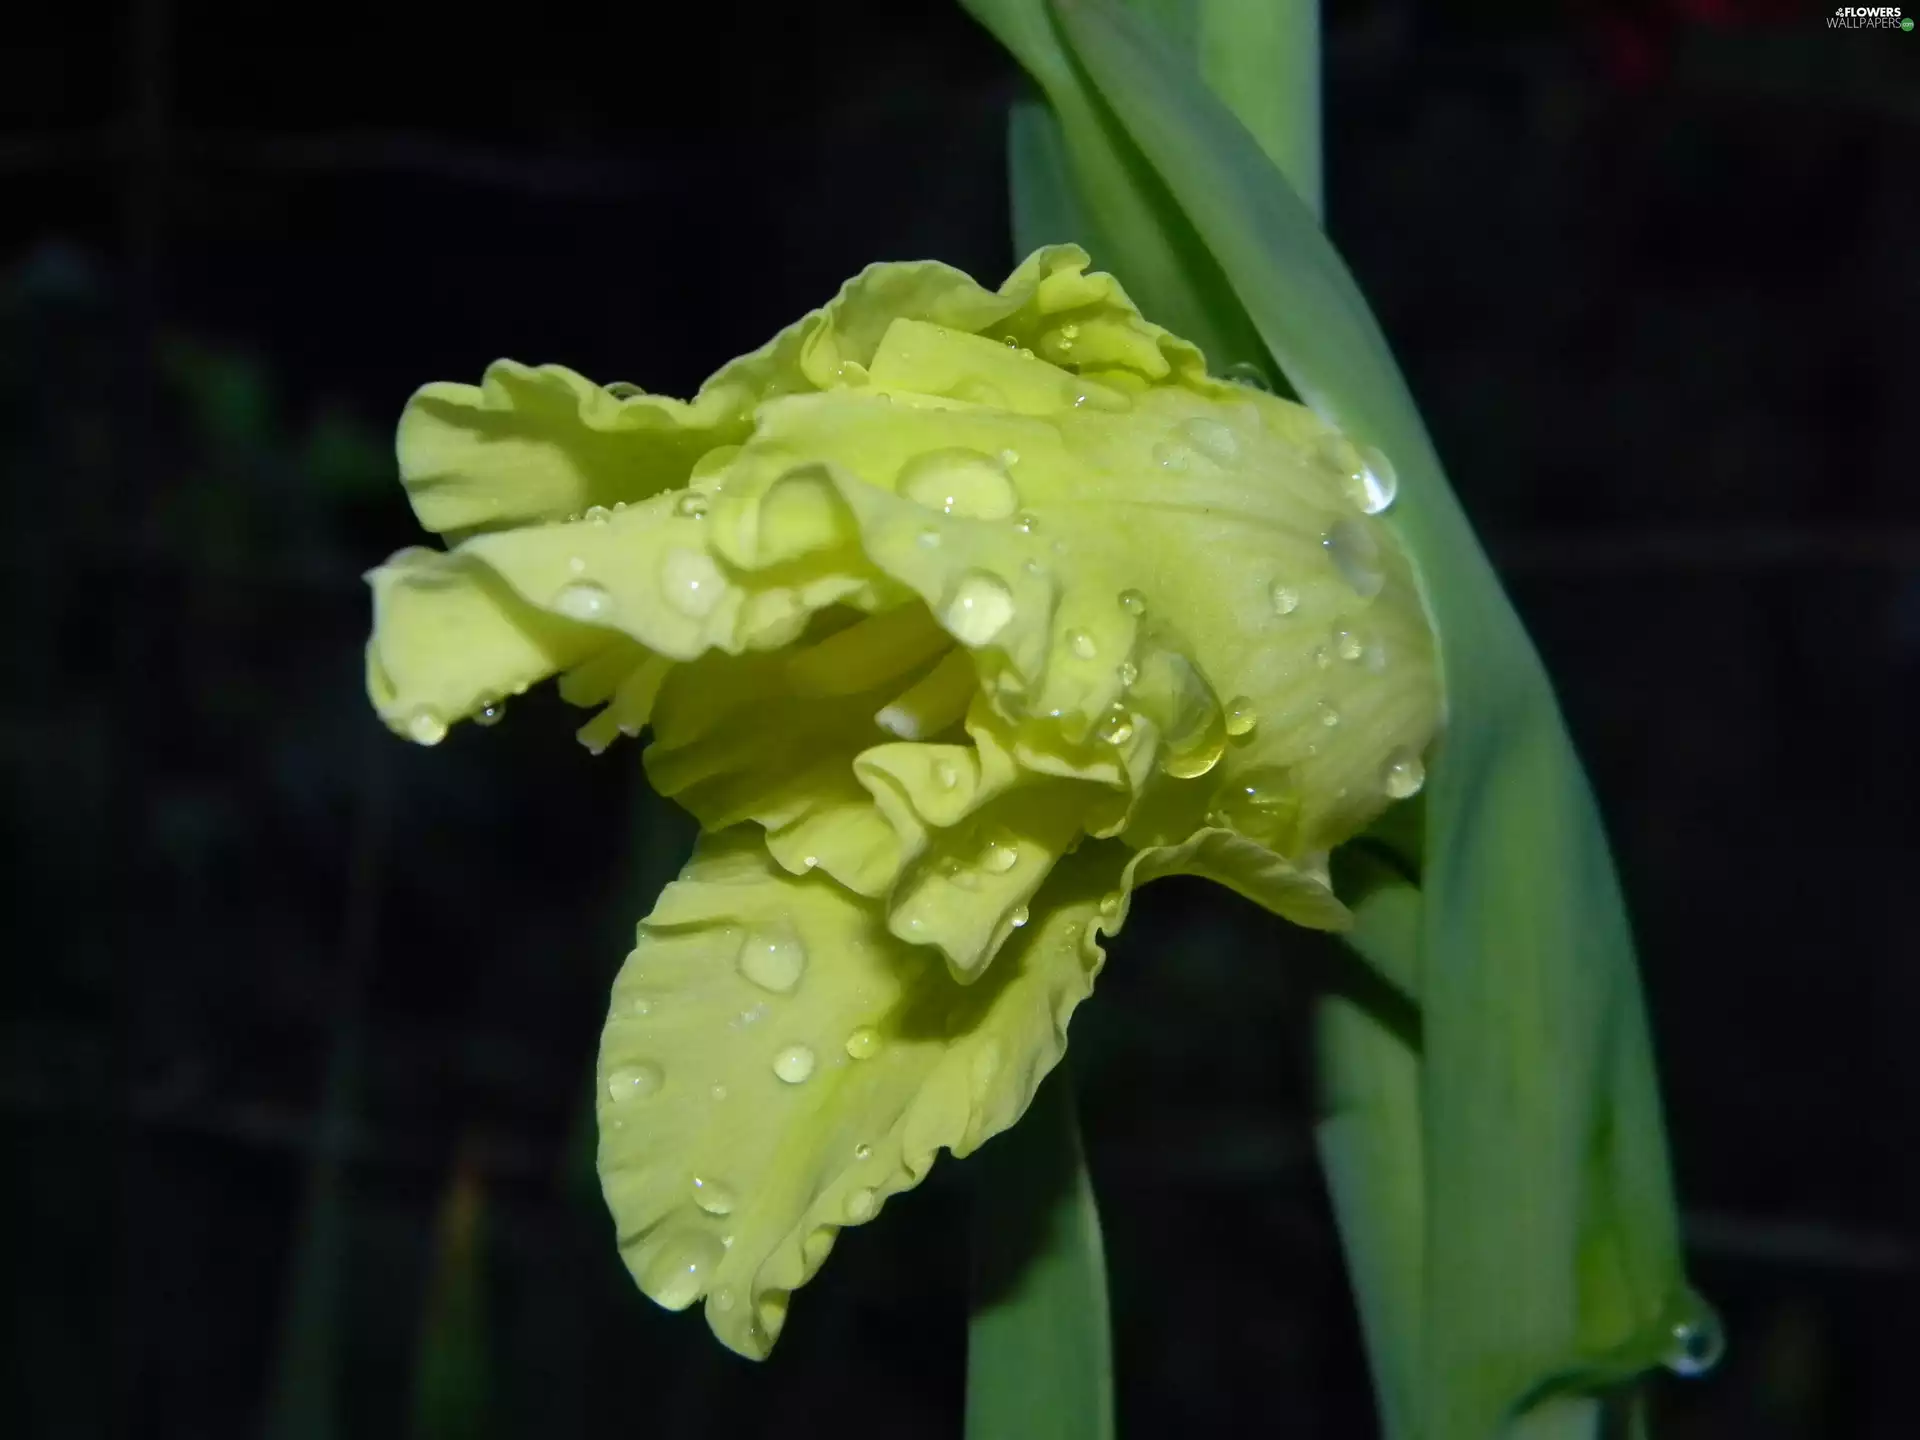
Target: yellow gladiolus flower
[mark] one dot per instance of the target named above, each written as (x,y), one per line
(955,614)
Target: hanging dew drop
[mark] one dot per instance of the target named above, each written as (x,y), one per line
(490,713)
(424,727)
(1696,1340)
(1404,775)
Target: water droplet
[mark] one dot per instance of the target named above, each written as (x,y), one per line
(1285,598)
(1116,726)
(424,727)
(1110,904)
(491,712)
(1026,525)
(1329,716)
(1081,644)
(1001,854)
(960,482)
(719,1092)
(1009,457)
(691,582)
(1127,672)
(1349,644)
(1245,372)
(598,515)
(772,959)
(723,1299)
(633,1082)
(577,564)
(693,505)
(863,1152)
(643,1007)
(712,1197)
(1403,775)
(864,1043)
(861,1205)
(1261,804)
(980,608)
(1019,918)
(1377,485)
(1322,657)
(1171,455)
(1241,717)
(928,539)
(678,1271)
(585,601)
(793,1064)
(946,774)
(1696,1340)
(1356,555)
(1214,440)
(1133,602)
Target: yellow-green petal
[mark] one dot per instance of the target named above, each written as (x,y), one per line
(776,1065)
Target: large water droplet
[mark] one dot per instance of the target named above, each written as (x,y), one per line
(691,582)
(980,608)
(490,713)
(1214,440)
(693,505)
(597,515)
(1355,554)
(1377,485)
(773,960)
(1245,372)
(1403,775)
(425,727)
(711,1196)
(863,1151)
(1116,726)
(1081,644)
(864,1043)
(960,482)
(1241,716)
(585,601)
(678,1271)
(633,1082)
(861,1204)
(1696,1340)
(1261,804)
(1001,854)
(794,1064)
(1133,602)
(1019,918)
(1284,597)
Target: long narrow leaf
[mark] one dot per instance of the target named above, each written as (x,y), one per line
(1039,1351)
(1551,1244)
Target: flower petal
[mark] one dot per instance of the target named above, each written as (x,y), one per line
(776,1064)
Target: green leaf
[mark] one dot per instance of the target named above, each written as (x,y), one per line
(1039,1351)
(1550,1251)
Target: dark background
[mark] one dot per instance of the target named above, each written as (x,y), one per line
(298,1020)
